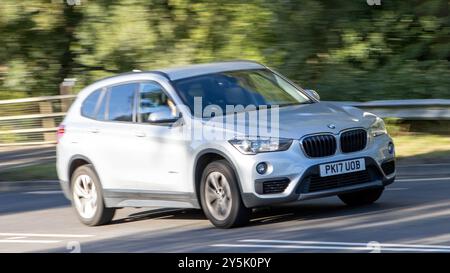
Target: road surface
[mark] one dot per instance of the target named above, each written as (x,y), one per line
(25,156)
(413,215)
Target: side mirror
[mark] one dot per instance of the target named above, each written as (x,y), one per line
(313,94)
(163,115)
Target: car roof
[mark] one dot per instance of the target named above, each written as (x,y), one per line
(177,73)
(182,72)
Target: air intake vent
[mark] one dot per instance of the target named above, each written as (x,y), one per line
(275,186)
(318,183)
(388,167)
(353,141)
(319,145)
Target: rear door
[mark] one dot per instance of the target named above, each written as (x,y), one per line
(113,138)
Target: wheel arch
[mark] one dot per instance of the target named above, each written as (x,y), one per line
(202,160)
(75,162)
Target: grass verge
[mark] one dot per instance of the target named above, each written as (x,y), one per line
(428,146)
(46,171)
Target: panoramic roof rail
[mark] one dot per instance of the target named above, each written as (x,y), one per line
(159,73)
(241,60)
(165,75)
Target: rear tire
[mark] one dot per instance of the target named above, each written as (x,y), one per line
(363,197)
(87,197)
(220,196)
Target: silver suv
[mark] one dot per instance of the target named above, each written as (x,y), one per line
(224,137)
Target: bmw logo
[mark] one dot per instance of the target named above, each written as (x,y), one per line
(331,126)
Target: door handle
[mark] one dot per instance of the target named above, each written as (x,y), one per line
(140,134)
(94,131)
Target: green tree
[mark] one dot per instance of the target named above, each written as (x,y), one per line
(347,50)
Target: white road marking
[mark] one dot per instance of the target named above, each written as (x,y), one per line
(423,179)
(396,189)
(355,248)
(43,192)
(30,241)
(424,164)
(47,235)
(321,245)
(343,243)
(20,237)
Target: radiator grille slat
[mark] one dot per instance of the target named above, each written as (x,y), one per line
(319,145)
(325,145)
(353,141)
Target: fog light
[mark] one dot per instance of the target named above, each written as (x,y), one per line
(261,168)
(391,148)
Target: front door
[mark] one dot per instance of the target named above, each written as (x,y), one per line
(163,151)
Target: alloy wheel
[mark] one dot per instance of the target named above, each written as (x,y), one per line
(218,195)
(85,196)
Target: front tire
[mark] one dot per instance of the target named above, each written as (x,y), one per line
(363,197)
(87,197)
(220,196)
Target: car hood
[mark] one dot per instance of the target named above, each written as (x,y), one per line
(295,121)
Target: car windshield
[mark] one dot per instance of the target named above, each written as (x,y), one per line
(244,87)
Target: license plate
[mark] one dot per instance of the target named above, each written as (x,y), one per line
(340,167)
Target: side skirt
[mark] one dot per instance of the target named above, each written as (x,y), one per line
(134,198)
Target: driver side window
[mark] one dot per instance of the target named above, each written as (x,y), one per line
(152,98)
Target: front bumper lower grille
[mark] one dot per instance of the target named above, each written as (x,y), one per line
(312,181)
(274,186)
(318,183)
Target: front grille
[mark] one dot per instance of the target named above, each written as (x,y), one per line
(318,183)
(353,141)
(388,167)
(319,145)
(275,186)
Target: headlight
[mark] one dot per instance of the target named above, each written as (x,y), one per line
(254,146)
(377,128)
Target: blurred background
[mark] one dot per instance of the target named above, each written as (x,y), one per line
(355,51)
(347,50)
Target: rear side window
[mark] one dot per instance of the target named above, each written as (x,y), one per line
(121,102)
(90,104)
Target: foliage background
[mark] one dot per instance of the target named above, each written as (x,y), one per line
(346,50)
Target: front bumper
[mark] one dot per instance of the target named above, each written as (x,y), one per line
(302,189)
(294,166)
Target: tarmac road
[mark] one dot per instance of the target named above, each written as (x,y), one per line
(413,215)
